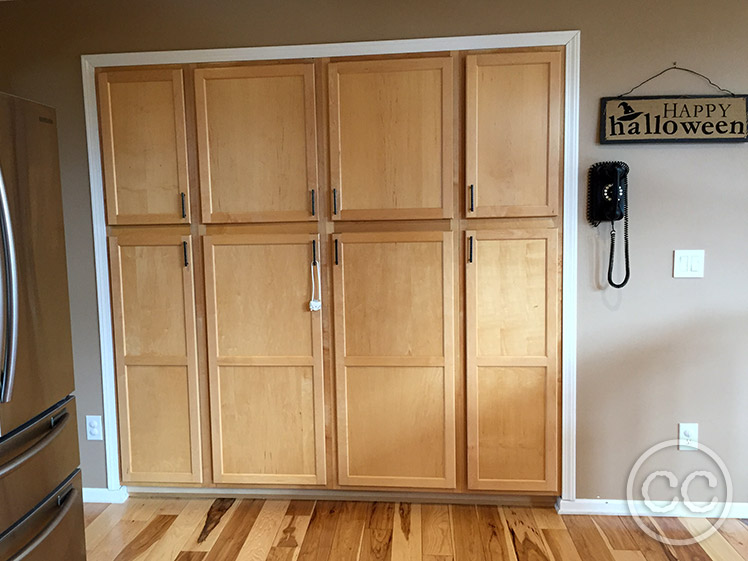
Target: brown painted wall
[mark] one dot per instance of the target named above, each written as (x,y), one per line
(658,352)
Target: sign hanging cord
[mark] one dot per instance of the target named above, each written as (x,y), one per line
(676,67)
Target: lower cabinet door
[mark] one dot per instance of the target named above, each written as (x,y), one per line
(513,340)
(265,359)
(394,363)
(153,304)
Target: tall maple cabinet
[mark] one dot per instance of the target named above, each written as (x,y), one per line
(338,273)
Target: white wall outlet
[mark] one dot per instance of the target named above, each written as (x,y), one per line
(688,263)
(688,436)
(93,427)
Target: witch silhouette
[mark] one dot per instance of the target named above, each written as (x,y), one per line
(628,112)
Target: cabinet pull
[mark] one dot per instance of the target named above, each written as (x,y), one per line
(314,209)
(336,251)
(470,249)
(472,197)
(334,201)
(314,252)
(184,248)
(184,207)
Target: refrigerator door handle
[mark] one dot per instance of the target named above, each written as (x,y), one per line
(58,423)
(65,503)
(10,330)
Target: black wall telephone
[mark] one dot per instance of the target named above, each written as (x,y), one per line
(607,201)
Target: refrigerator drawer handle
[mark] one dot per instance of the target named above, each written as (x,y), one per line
(66,503)
(10,330)
(58,423)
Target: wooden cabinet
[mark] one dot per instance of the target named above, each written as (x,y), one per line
(257,141)
(144,146)
(389,409)
(394,363)
(513,134)
(265,359)
(513,326)
(391,138)
(153,304)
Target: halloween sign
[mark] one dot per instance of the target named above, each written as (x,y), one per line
(707,118)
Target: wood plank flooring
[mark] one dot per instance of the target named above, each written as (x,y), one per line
(145,529)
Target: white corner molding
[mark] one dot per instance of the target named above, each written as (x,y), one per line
(101,495)
(618,507)
(569,281)
(98,216)
(569,39)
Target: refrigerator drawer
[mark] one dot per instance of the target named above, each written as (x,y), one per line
(35,459)
(54,530)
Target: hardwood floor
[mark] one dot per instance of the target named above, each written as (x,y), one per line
(151,529)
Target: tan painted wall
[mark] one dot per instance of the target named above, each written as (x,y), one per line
(658,352)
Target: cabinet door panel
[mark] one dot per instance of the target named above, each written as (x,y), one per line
(511,298)
(514,136)
(269,409)
(251,318)
(156,357)
(257,142)
(513,337)
(159,438)
(391,138)
(512,416)
(144,146)
(265,360)
(394,344)
(380,323)
(392,410)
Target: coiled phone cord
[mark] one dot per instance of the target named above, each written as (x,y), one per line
(625,245)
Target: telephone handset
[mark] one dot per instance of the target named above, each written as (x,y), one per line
(607,201)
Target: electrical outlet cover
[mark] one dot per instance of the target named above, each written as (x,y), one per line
(93,427)
(688,436)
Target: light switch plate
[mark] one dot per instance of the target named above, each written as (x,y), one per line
(93,427)
(688,263)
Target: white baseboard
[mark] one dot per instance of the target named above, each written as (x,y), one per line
(99,495)
(610,507)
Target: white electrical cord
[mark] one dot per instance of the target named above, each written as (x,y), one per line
(315,304)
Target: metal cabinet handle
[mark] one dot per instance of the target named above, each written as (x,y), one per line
(65,503)
(472,198)
(334,201)
(58,423)
(10,331)
(314,204)
(184,206)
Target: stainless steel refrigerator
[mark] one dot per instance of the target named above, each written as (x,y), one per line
(41,512)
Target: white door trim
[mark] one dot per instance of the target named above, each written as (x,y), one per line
(570,39)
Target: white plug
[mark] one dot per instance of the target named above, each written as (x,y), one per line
(315,305)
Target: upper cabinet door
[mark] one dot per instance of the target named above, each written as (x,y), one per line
(144,146)
(514,134)
(257,143)
(391,139)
